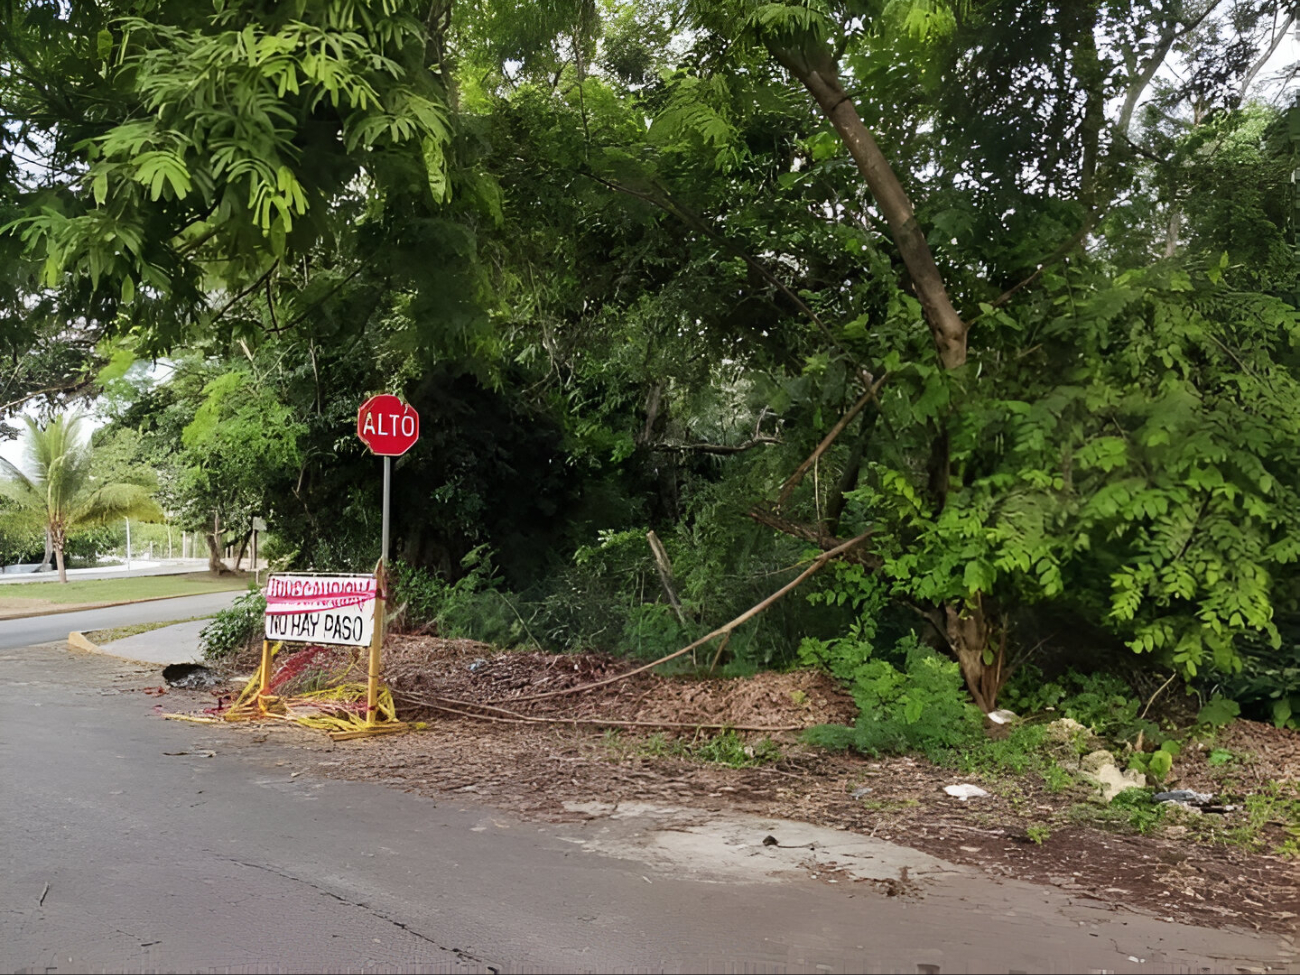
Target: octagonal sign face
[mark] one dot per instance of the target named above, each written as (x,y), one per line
(388,426)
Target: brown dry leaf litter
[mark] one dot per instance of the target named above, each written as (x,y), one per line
(536,769)
(433,669)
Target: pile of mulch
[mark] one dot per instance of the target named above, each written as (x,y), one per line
(430,676)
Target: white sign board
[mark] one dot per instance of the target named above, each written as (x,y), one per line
(321,609)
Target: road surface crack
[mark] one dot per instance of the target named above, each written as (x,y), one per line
(459,953)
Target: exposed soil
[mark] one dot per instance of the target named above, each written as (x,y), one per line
(531,757)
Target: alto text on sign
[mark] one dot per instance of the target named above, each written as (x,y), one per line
(388,426)
(337,610)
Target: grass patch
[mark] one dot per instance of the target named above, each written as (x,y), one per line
(1272,822)
(121,632)
(121,590)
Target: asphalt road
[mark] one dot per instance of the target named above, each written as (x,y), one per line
(131,843)
(43,629)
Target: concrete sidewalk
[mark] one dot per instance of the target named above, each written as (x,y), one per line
(175,644)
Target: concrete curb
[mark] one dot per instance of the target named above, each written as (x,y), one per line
(82,607)
(77,640)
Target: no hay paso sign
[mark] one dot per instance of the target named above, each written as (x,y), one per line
(321,609)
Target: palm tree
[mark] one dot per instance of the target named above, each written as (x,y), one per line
(58,485)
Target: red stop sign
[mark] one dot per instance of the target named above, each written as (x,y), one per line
(388,426)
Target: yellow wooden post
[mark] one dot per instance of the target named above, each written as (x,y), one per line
(266,668)
(376,643)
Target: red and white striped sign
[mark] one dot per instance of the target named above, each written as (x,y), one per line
(321,609)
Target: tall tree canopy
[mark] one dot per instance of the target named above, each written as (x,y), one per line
(1015,277)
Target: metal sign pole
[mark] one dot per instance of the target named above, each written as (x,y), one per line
(388,481)
(377,634)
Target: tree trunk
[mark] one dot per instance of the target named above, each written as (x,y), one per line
(56,542)
(1092,75)
(970,636)
(243,547)
(813,64)
(816,69)
(215,563)
(1172,229)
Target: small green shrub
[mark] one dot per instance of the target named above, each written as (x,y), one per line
(419,590)
(1055,778)
(1218,712)
(1038,833)
(1268,684)
(1140,808)
(923,707)
(1019,752)
(1276,807)
(1102,702)
(232,629)
(470,606)
(1156,764)
(729,748)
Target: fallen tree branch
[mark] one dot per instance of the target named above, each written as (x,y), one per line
(764,515)
(665,568)
(596,722)
(723,630)
(793,480)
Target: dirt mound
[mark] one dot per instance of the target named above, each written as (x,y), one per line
(426,671)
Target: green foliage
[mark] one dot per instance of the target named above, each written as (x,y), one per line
(233,628)
(724,748)
(1156,764)
(1020,752)
(175,192)
(1056,779)
(1276,807)
(630,280)
(1139,808)
(1268,685)
(456,608)
(1102,702)
(242,438)
(729,748)
(1038,833)
(920,707)
(1218,712)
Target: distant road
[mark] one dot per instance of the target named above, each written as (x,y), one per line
(45,629)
